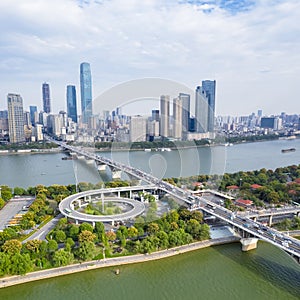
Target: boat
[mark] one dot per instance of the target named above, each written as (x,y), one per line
(288,150)
(67,158)
(147,150)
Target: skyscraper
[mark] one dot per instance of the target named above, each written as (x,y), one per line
(164,115)
(15,118)
(71,103)
(177,118)
(201,111)
(137,129)
(86,91)
(46,97)
(209,86)
(33,114)
(185,102)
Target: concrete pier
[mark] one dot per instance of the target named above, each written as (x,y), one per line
(248,243)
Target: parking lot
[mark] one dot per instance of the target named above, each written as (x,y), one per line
(13,207)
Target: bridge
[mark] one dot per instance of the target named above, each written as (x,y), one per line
(247,226)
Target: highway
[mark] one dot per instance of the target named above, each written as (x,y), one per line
(287,243)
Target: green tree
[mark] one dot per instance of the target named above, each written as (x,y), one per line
(60,236)
(52,246)
(62,258)
(86,236)
(86,251)
(20,264)
(12,247)
(86,226)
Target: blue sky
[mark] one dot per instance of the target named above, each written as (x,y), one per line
(252,48)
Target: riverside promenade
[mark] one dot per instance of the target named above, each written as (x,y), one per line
(115,261)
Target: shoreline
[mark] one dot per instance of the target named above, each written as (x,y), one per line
(114,261)
(122,149)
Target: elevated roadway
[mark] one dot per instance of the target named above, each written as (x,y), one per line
(287,243)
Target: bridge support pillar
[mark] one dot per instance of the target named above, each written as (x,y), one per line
(101,167)
(270,220)
(119,194)
(130,194)
(116,174)
(248,243)
(93,224)
(76,222)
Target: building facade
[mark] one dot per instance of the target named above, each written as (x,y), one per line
(86,91)
(164,116)
(71,103)
(15,118)
(209,86)
(46,98)
(137,129)
(177,118)
(201,111)
(186,109)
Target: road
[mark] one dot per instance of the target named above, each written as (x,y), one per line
(41,233)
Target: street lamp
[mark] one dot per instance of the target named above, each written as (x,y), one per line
(0,191)
(241,181)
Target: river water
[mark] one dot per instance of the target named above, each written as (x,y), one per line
(220,272)
(29,170)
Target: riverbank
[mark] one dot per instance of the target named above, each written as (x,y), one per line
(111,262)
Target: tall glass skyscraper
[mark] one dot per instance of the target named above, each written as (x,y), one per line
(164,116)
(185,98)
(86,91)
(33,114)
(71,103)
(209,86)
(201,111)
(46,97)
(15,118)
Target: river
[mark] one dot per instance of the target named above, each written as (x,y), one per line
(220,272)
(31,169)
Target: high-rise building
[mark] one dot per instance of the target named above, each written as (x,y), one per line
(137,129)
(164,115)
(186,110)
(15,118)
(155,115)
(46,97)
(86,91)
(177,118)
(209,86)
(201,111)
(71,103)
(33,114)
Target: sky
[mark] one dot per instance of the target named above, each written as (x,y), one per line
(250,47)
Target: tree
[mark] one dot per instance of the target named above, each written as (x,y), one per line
(52,246)
(33,246)
(2,202)
(62,258)
(152,228)
(19,191)
(111,236)
(6,193)
(86,226)
(60,236)
(4,264)
(12,247)
(86,251)
(20,264)
(73,231)
(132,232)
(86,236)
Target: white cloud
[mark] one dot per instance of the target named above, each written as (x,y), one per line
(123,40)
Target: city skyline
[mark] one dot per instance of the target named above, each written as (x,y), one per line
(249,47)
